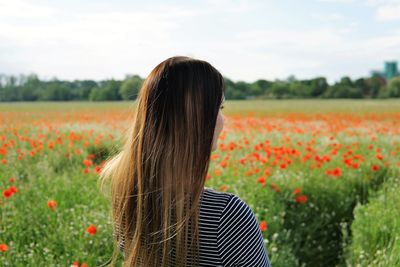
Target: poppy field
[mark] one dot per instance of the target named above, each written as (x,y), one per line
(322,177)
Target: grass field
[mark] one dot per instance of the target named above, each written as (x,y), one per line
(322,177)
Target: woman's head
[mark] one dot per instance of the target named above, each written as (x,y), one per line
(183,96)
(158,177)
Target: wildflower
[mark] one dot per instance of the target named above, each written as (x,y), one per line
(224,187)
(374,168)
(87,162)
(263,226)
(261,180)
(50,145)
(3,247)
(13,189)
(7,193)
(301,199)
(91,229)
(296,191)
(334,172)
(97,169)
(52,204)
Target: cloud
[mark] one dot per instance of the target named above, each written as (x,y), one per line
(90,44)
(386,10)
(21,9)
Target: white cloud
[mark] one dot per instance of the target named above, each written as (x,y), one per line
(386,10)
(22,9)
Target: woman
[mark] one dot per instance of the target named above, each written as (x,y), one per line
(162,213)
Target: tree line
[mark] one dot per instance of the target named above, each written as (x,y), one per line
(31,88)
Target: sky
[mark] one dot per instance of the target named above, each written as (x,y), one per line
(245,40)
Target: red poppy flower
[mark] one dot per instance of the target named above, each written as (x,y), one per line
(301,199)
(97,169)
(7,193)
(91,229)
(87,162)
(263,226)
(223,164)
(3,247)
(296,191)
(13,189)
(261,180)
(374,168)
(52,204)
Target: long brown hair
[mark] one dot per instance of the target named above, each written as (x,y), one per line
(158,177)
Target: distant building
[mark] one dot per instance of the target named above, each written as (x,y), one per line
(389,72)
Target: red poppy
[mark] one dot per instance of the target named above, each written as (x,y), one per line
(301,199)
(87,162)
(7,193)
(223,164)
(296,191)
(374,168)
(263,226)
(52,204)
(91,229)
(97,169)
(223,187)
(13,189)
(3,247)
(261,180)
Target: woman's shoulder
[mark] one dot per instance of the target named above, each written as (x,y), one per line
(211,196)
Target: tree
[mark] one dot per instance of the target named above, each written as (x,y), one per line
(364,87)
(280,90)
(318,86)
(375,84)
(130,87)
(109,90)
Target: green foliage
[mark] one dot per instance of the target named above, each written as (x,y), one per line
(30,88)
(394,87)
(376,229)
(108,91)
(130,87)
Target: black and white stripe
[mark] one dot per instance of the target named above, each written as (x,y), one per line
(229,233)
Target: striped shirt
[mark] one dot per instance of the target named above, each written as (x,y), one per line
(229,233)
